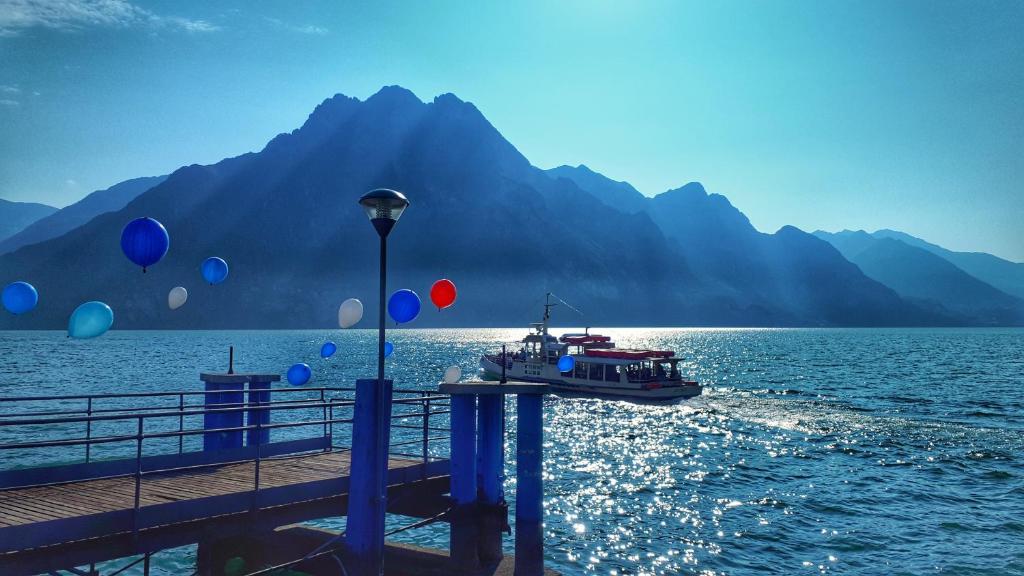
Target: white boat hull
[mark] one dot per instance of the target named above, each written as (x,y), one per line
(549,374)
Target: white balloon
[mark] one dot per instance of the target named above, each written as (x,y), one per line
(452,374)
(176,297)
(350,313)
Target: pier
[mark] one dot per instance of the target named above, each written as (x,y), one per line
(126,475)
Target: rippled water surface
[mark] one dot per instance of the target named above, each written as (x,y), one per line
(845,451)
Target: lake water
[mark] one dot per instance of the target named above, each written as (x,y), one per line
(811,451)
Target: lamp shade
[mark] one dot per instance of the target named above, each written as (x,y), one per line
(384,207)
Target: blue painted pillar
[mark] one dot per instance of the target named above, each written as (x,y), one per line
(367,503)
(463,541)
(493,512)
(529,485)
(223,391)
(259,395)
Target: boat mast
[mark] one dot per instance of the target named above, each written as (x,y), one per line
(547,313)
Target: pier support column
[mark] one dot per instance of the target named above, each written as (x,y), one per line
(259,395)
(463,542)
(364,534)
(223,391)
(492,510)
(529,486)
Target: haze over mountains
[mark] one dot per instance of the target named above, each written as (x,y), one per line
(15,216)
(506,232)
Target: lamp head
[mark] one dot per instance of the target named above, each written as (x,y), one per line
(384,207)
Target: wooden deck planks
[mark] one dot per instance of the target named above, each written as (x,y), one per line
(24,506)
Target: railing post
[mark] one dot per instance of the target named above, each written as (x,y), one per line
(88,429)
(330,435)
(181,422)
(426,431)
(138,477)
(323,405)
(256,473)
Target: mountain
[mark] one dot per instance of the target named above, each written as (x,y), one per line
(66,219)
(922,276)
(620,195)
(286,219)
(15,216)
(1003,274)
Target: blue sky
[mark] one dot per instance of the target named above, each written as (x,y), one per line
(905,115)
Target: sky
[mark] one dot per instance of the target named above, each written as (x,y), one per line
(823,115)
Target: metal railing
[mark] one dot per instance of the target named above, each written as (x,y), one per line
(45,419)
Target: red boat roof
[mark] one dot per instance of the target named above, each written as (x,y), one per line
(629,354)
(585,339)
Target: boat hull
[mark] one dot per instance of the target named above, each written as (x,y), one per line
(518,371)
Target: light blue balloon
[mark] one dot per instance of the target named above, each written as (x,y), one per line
(566,363)
(20,297)
(328,349)
(215,270)
(299,374)
(389,348)
(404,306)
(90,320)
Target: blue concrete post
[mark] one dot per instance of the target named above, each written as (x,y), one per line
(529,486)
(463,539)
(367,503)
(259,395)
(223,391)
(493,511)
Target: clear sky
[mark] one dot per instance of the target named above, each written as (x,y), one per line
(860,114)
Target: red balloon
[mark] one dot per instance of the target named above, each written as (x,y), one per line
(442,293)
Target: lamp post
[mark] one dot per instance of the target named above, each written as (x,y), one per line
(368,492)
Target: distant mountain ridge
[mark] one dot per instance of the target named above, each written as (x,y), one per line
(286,220)
(15,216)
(66,219)
(925,277)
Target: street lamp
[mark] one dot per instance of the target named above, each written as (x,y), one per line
(368,495)
(383,207)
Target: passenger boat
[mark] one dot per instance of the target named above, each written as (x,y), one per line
(599,367)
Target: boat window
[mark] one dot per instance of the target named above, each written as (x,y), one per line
(581,370)
(597,371)
(611,373)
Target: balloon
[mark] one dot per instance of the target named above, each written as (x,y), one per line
(144,241)
(20,297)
(215,270)
(90,320)
(566,363)
(452,374)
(442,293)
(328,349)
(299,374)
(404,306)
(176,297)
(388,349)
(350,313)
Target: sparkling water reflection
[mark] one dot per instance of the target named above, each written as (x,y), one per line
(847,451)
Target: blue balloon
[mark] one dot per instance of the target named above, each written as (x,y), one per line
(215,270)
(328,350)
(299,374)
(20,297)
(566,363)
(404,306)
(90,320)
(145,241)
(388,349)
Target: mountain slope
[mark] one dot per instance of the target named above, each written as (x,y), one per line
(16,216)
(620,195)
(920,275)
(73,216)
(1003,274)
